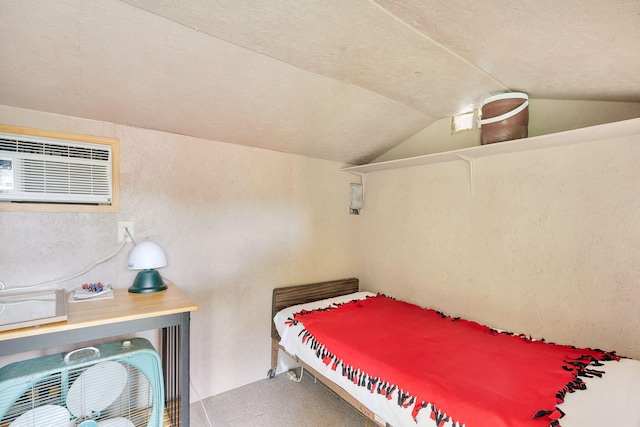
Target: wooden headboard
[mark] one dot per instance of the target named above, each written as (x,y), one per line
(301,294)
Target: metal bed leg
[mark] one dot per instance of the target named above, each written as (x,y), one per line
(274,358)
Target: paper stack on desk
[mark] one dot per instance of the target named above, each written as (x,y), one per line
(84,293)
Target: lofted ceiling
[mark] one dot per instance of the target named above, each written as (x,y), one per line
(343,80)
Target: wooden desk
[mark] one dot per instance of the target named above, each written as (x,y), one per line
(126,313)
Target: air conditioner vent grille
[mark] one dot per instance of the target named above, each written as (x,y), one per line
(53,149)
(64,178)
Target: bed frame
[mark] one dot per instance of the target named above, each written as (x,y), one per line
(301,294)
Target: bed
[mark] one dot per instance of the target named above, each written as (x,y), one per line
(511,380)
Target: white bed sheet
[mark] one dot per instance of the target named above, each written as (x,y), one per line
(613,400)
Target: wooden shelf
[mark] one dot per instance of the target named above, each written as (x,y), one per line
(570,137)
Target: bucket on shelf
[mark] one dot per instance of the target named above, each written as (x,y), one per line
(504,117)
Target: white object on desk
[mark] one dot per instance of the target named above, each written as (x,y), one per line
(32,309)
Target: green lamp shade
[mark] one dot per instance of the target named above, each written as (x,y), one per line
(146,282)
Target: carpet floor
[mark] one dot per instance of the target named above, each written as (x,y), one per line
(277,402)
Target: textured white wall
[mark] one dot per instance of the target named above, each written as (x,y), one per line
(549,244)
(234,221)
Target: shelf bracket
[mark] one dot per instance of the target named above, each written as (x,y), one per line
(470,161)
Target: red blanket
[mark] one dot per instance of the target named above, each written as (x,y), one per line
(461,371)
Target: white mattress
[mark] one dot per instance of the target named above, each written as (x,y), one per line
(613,400)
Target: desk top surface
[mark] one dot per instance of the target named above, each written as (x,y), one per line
(124,306)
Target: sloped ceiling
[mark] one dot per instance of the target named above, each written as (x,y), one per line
(343,80)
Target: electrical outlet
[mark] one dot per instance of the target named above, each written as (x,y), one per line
(123,236)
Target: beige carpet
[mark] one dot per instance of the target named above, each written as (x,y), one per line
(277,402)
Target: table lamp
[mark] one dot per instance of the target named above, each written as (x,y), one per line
(146,256)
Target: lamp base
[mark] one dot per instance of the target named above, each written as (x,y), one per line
(146,282)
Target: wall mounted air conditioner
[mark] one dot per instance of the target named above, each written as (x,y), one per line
(38,169)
